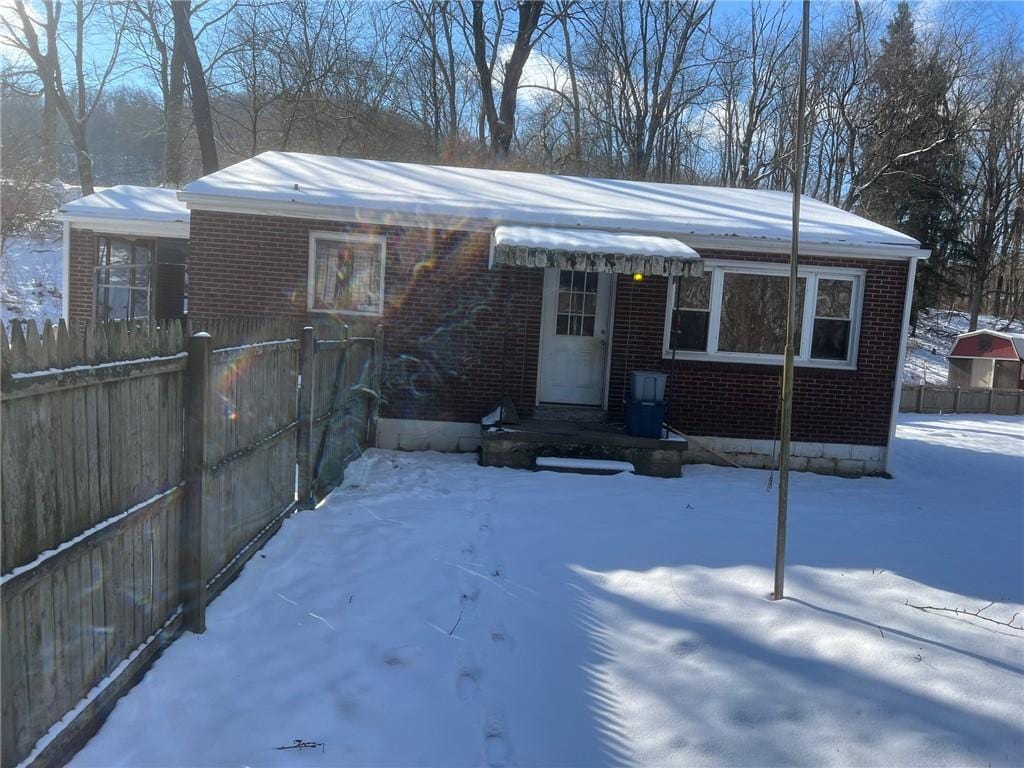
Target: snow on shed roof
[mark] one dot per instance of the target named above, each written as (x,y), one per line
(288,183)
(128,203)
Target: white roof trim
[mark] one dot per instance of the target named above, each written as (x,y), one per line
(133,227)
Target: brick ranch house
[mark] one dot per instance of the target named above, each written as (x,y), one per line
(542,289)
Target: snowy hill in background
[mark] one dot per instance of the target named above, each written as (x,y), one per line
(936,331)
(31,277)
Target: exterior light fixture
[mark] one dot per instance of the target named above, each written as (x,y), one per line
(638,277)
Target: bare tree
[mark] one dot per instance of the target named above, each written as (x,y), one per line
(500,114)
(184,37)
(76,104)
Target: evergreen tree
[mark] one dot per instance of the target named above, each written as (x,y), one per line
(911,168)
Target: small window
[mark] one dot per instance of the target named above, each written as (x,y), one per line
(832,320)
(123,278)
(754,312)
(577,303)
(691,313)
(346,274)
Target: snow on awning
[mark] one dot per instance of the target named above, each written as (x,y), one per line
(593,251)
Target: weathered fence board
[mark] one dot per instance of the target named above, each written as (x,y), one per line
(96,504)
(937,398)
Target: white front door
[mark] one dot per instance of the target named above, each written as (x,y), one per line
(574,336)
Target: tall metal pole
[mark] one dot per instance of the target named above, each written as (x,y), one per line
(792,318)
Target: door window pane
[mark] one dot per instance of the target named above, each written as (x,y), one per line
(577,303)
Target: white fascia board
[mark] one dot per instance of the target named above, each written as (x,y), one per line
(297,210)
(65,299)
(135,227)
(901,356)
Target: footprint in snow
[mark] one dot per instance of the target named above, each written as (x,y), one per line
(467,683)
(495,744)
(500,637)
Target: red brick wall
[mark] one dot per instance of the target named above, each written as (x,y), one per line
(82,283)
(741,400)
(458,336)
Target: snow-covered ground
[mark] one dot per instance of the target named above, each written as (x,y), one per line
(32,277)
(435,612)
(937,329)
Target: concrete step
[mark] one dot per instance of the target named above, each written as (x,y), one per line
(582,414)
(583,466)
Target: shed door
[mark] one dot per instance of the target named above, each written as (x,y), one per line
(574,331)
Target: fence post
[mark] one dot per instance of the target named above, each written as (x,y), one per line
(305,448)
(193,560)
(956,400)
(991,392)
(378,384)
(1020,403)
(920,397)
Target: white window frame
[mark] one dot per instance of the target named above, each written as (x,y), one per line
(812,274)
(343,237)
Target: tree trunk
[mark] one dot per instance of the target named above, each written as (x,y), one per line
(174,131)
(196,84)
(51,166)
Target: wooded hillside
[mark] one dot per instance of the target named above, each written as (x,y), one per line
(915,113)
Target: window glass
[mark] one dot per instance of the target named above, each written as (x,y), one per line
(690,317)
(577,303)
(123,278)
(754,313)
(347,276)
(832,320)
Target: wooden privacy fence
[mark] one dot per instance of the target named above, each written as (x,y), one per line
(935,398)
(141,468)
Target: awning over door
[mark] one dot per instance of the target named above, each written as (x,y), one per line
(593,251)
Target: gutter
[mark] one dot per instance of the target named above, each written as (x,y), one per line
(897,389)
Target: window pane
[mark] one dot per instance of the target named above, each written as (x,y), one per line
(754,313)
(562,325)
(565,279)
(835,297)
(694,292)
(830,340)
(112,303)
(120,251)
(588,326)
(690,330)
(347,276)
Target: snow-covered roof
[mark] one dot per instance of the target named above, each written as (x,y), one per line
(288,183)
(128,209)
(592,241)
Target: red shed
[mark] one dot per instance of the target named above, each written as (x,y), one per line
(989,359)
